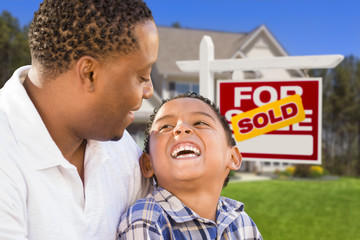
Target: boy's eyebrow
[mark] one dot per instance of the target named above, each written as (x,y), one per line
(162,118)
(170,116)
(206,114)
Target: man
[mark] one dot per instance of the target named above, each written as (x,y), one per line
(60,176)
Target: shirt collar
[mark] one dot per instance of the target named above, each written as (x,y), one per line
(28,128)
(95,155)
(227,210)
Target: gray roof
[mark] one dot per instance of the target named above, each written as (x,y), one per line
(183,44)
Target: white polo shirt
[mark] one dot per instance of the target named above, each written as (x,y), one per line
(41,194)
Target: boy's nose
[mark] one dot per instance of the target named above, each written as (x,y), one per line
(182,128)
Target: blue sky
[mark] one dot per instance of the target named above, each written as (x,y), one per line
(303,27)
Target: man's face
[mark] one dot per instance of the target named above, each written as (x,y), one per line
(188,143)
(123,83)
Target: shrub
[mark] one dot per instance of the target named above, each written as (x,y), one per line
(316,171)
(302,171)
(290,170)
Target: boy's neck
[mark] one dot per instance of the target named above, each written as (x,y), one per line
(204,201)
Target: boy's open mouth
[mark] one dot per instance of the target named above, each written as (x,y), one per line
(184,151)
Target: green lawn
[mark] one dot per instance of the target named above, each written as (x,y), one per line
(292,209)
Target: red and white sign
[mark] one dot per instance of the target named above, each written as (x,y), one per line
(297,143)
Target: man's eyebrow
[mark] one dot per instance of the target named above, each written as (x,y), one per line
(150,65)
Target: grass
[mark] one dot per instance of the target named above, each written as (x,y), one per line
(289,209)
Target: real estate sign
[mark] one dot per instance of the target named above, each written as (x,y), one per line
(296,143)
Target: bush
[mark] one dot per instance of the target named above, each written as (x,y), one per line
(290,170)
(302,171)
(316,171)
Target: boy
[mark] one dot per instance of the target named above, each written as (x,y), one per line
(189,152)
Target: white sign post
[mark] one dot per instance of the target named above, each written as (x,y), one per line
(207,66)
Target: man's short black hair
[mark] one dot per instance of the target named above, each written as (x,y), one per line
(63,31)
(222,119)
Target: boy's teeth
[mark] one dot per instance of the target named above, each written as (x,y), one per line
(194,150)
(187,155)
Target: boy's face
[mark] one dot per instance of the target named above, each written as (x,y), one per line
(188,144)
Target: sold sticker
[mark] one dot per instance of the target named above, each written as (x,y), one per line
(267,118)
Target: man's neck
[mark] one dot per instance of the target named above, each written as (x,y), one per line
(71,147)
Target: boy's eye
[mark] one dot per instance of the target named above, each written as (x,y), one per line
(201,123)
(164,127)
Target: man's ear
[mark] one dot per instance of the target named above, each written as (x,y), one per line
(145,165)
(85,68)
(235,159)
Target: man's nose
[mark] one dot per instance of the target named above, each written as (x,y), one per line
(148,90)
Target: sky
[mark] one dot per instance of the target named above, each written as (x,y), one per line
(302,27)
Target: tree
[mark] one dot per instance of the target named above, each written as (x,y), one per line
(14,48)
(341,117)
(176,25)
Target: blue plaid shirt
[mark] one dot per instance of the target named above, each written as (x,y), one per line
(161,215)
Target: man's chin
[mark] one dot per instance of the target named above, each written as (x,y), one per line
(115,139)
(119,135)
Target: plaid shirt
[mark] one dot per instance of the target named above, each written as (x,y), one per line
(163,216)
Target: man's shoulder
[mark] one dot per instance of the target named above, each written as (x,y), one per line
(9,153)
(8,144)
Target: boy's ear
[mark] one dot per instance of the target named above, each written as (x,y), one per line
(235,160)
(145,165)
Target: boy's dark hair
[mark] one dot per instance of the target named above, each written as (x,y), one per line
(63,31)
(222,119)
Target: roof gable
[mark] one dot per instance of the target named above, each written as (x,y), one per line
(262,37)
(183,44)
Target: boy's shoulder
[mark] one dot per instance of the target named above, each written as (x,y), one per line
(145,213)
(145,209)
(232,212)
(228,204)
(148,210)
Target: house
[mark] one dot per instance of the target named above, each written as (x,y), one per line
(183,44)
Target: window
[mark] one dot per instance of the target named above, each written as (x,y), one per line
(176,88)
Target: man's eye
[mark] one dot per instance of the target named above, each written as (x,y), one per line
(143,79)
